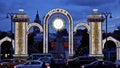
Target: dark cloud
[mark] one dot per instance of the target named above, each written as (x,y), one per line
(119,1)
(10,6)
(80,15)
(2,7)
(88,2)
(79,9)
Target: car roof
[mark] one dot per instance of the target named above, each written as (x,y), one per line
(33,61)
(84,57)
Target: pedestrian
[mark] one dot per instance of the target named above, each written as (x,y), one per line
(52,64)
(43,65)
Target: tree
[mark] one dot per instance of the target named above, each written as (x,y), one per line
(30,43)
(84,47)
(118,27)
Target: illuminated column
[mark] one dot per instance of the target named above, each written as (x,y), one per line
(95,20)
(118,53)
(21,20)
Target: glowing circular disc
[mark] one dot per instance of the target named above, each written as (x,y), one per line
(58,23)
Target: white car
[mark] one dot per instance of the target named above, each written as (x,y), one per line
(30,64)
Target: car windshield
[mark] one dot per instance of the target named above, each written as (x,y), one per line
(101,62)
(108,62)
(44,59)
(7,60)
(94,63)
(37,56)
(83,58)
(33,62)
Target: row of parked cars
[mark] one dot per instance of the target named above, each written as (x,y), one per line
(37,61)
(13,63)
(47,61)
(34,61)
(10,63)
(91,62)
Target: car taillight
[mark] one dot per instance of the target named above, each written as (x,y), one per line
(82,66)
(47,65)
(66,62)
(116,66)
(14,66)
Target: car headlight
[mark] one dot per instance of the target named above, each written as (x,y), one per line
(82,66)
(1,64)
(48,66)
(14,66)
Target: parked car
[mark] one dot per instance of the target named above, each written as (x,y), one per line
(37,56)
(30,64)
(100,64)
(10,63)
(45,59)
(117,62)
(5,60)
(60,63)
(79,61)
(59,60)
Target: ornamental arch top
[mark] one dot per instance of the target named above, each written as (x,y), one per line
(33,25)
(7,39)
(47,16)
(117,43)
(111,39)
(82,24)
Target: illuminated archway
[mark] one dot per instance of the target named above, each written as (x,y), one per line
(6,50)
(34,25)
(47,16)
(109,51)
(29,27)
(117,43)
(82,24)
(7,39)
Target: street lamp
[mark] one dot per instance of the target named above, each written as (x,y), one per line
(11,14)
(106,14)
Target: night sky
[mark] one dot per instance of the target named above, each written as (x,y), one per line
(79,9)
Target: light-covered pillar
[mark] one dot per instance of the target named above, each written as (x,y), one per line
(95,20)
(21,20)
(118,53)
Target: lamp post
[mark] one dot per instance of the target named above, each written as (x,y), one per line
(11,14)
(106,14)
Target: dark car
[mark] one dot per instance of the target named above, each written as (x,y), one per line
(79,61)
(100,64)
(38,56)
(59,60)
(31,64)
(60,63)
(117,62)
(10,63)
(5,60)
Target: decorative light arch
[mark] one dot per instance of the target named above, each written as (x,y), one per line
(33,25)
(82,24)
(111,39)
(7,39)
(117,43)
(47,16)
(86,26)
(27,31)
